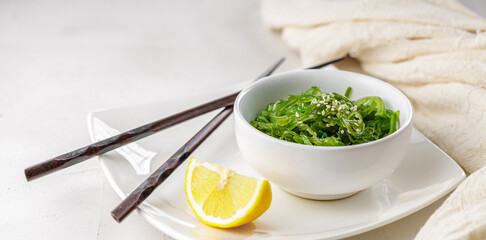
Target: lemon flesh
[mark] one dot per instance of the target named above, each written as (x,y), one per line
(222,198)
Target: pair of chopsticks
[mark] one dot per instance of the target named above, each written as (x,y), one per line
(166,169)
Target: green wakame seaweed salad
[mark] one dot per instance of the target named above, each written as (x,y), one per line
(327,119)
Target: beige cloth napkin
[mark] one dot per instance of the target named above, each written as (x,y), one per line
(434,51)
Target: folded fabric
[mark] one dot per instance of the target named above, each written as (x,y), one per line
(433,50)
(463,214)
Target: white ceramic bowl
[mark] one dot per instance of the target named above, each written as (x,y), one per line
(318,172)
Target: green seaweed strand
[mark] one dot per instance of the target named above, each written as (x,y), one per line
(327,119)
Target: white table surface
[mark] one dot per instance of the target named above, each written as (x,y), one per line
(59,60)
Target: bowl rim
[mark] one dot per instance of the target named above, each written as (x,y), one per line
(275,77)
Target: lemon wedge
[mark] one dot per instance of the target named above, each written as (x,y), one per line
(222,198)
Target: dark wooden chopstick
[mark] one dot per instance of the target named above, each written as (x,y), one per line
(165,170)
(106,145)
(326,63)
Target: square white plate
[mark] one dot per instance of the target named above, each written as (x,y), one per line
(425,175)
